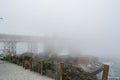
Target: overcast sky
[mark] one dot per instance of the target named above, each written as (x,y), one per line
(95,22)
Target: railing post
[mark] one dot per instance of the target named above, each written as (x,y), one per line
(61,70)
(15,59)
(18,60)
(23,62)
(30,64)
(41,66)
(105,72)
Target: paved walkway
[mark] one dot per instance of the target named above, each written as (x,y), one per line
(10,71)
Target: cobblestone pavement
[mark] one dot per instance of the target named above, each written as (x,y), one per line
(10,71)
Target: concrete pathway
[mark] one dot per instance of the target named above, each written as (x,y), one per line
(10,71)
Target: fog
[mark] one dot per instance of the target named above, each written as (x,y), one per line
(92,24)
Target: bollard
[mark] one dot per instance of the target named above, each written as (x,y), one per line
(30,66)
(61,70)
(105,72)
(41,66)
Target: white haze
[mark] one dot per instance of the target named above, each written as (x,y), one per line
(92,24)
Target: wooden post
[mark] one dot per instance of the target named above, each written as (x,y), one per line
(23,62)
(61,70)
(15,59)
(30,64)
(41,65)
(57,75)
(11,58)
(105,72)
(18,61)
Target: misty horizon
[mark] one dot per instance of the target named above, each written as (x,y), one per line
(92,25)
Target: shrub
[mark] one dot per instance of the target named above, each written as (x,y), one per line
(48,65)
(73,73)
(26,66)
(36,67)
(27,58)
